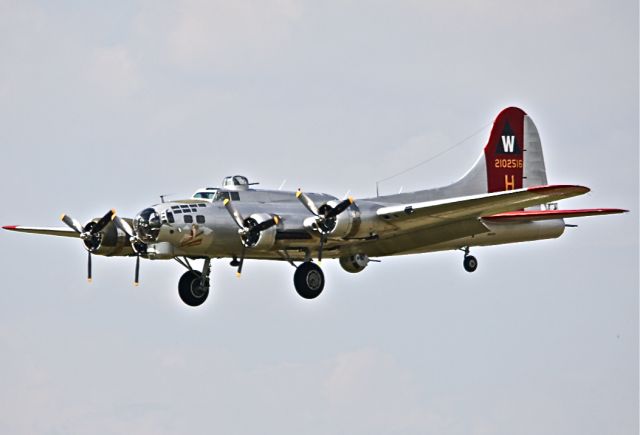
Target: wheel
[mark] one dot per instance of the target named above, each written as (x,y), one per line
(191,290)
(308,280)
(470,263)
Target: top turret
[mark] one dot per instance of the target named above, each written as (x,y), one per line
(236,182)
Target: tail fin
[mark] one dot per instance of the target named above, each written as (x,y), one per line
(513,154)
(512,160)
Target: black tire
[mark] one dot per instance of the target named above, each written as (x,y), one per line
(308,280)
(470,263)
(190,289)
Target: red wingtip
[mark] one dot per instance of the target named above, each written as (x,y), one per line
(10,227)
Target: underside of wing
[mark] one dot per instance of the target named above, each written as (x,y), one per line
(63,232)
(439,212)
(540,215)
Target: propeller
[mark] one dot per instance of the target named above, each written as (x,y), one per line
(249,229)
(136,244)
(325,215)
(90,234)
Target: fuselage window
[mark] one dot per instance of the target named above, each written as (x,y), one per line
(203,205)
(200,219)
(235,196)
(170,217)
(188,219)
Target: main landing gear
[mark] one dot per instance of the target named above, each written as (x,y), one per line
(470,263)
(308,280)
(193,286)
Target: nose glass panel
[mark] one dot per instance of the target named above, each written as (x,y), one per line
(147,225)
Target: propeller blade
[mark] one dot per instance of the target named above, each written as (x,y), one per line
(266,224)
(239,272)
(124,226)
(72,223)
(89,277)
(307,202)
(235,214)
(104,220)
(342,206)
(136,281)
(322,240)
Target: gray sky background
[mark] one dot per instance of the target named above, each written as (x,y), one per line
(109,105)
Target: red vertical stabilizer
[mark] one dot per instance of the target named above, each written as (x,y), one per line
(504,152)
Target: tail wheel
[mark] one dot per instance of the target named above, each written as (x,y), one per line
(308,280)
(191,288)
(470,263)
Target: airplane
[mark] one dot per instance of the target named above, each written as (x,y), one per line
(503,198)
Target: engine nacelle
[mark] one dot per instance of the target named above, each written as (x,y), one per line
(354,263)
(343,225)
(260,240)
(110,241)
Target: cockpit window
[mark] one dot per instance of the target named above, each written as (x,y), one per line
(221,196)
(205,195)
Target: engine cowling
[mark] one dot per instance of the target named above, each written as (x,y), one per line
(340,226)
(354,263)
(259,240)
(110,241)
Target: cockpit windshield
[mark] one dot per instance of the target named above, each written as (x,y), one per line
(205,195)
(221,196)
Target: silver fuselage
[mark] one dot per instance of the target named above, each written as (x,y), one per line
(210,231)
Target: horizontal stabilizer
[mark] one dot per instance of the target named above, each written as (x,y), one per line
(64,232)
(540,215)
(438,212)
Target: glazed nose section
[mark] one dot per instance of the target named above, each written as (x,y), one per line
(147,225)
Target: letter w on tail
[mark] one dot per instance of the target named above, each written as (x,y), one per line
(507,143)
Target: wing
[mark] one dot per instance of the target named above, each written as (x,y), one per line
(540,215)
(64,232)
(443,211)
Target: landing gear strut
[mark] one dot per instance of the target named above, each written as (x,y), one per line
(470,263)
(308,280)
(193,286)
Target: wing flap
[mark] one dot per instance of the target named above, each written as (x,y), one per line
(539,215)
(63,232)
(429,213)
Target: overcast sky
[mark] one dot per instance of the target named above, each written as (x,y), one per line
(110,105)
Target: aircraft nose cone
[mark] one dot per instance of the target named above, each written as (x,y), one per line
(147,225)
